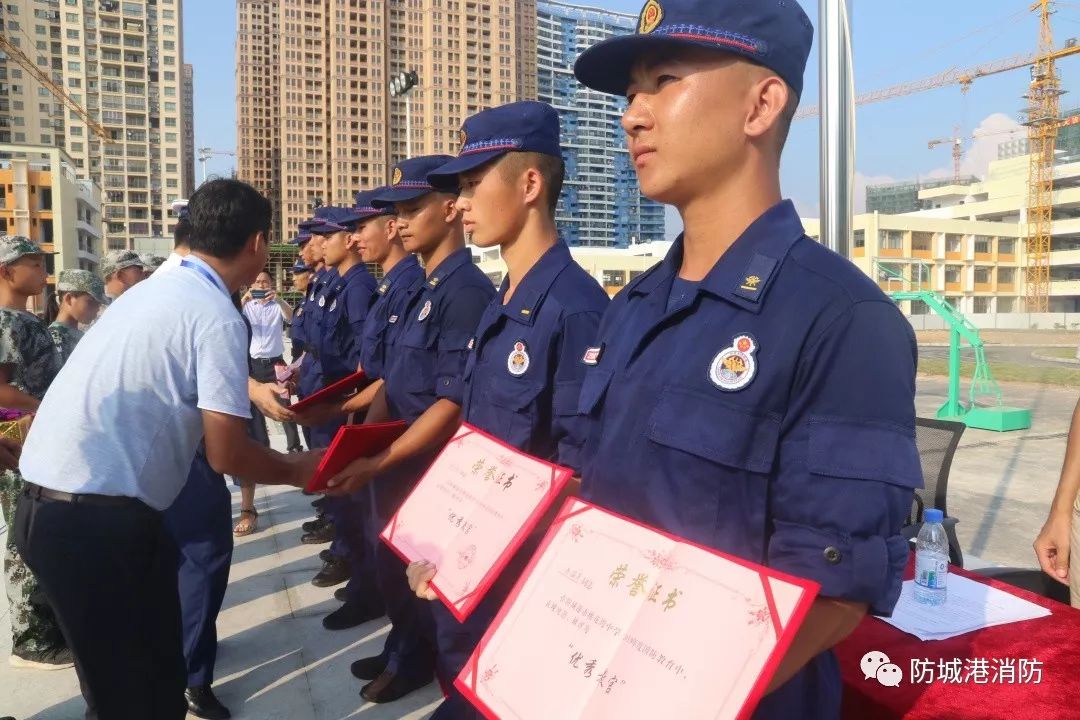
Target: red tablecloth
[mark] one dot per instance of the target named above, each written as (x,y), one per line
(1054,641)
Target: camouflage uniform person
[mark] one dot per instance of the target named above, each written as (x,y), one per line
(27,350)
(151,262)
(121,270)
(80,294)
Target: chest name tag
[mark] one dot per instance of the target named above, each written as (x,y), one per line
(735,367)
(592,355)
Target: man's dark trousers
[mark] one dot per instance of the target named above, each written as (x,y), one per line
(109,572)
(200,522)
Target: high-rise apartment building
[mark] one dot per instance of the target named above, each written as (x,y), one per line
(188,118)
(121,60)
(315,120)
(601,204)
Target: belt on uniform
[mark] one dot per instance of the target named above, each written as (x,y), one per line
(267,361)
(37,492)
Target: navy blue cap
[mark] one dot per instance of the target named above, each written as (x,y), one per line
(409,180)
(334,219)
(299,267)
(527,126)
(776,34)
(302,238)
(365,205)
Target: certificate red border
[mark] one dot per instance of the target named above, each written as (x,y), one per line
(785,635)
(330,392)
(468,602)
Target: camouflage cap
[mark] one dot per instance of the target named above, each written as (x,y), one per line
(82,281)
(13,247)
(116,260)
(151,261)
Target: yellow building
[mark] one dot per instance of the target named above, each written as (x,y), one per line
(41,198)
(969,244)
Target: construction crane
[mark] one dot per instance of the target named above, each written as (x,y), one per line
(1044,120)
(964,78)
(22,60)
(957,143)
(207,153)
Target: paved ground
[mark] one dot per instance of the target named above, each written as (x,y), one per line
(1034,338)
(276,661)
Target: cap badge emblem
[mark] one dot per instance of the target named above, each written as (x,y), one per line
(651,17)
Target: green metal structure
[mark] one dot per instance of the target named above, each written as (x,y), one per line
(985,409)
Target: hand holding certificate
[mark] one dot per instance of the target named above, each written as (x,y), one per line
(626,621)
(470,513)
(350,443)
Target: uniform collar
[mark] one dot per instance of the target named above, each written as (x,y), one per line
(404,265)
(534,286)
(744,273)
(454,261)
(355,270)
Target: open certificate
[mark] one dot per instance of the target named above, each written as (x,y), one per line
(613,619)
(470,513)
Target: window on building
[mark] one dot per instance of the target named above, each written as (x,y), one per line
(981,306)
(1006,246)
(982,275)
(1006,276)
(892,240)
(952,243)
(859,239)
(982,244)
(952,274)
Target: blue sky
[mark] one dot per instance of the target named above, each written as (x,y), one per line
(893,43)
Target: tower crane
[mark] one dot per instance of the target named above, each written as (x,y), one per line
(22,60)
(1043,120)
(957,143)
(206,153)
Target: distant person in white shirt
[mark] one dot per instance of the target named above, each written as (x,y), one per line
(89,521)
(267,315)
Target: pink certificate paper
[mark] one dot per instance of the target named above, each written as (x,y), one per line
(613,619)
(471,511)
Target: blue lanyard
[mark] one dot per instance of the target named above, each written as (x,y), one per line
(206,274)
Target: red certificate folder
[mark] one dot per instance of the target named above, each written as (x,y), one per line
(627,621)
(331,392)
(350,443)
(471,512)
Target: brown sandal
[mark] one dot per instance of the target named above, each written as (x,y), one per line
(247,526)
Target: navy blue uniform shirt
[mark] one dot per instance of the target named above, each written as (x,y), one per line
(341,322)
(428,361)
(524,374)
(386,314)
(311,373)
(769,414)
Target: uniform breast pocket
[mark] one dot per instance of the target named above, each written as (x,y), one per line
(417,349)
(512,406)
(715,460)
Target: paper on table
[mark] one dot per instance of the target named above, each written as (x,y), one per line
(969,606)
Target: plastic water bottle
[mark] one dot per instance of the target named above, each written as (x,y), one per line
(931,559)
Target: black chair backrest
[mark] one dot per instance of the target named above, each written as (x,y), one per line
(937,441)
